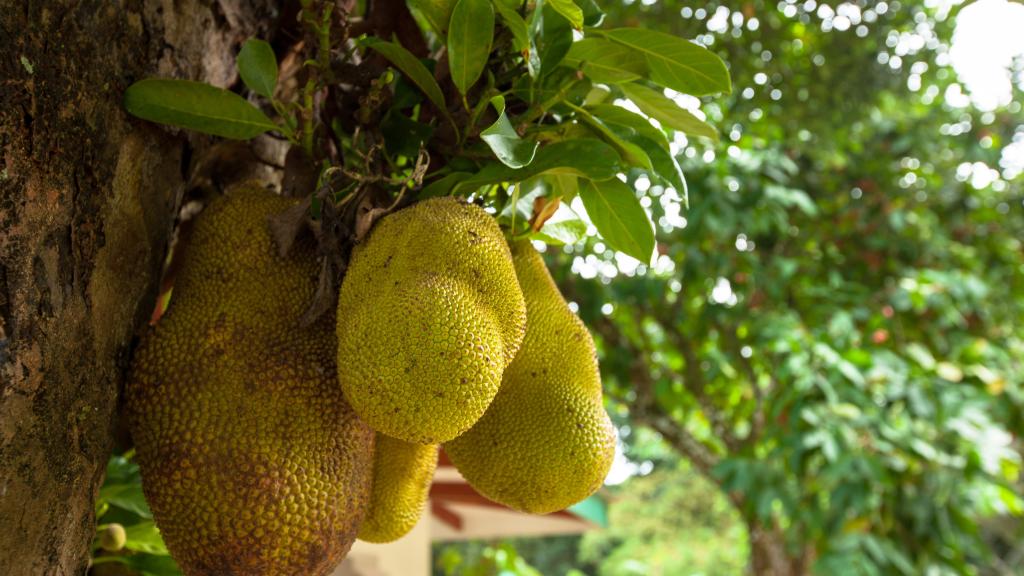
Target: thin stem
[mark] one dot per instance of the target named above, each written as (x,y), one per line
(515,208)
(307,114)
(537,111)
(319,68)
(474,117)
(324,50)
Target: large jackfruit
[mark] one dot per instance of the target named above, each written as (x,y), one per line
(429,315)
(402,473)
(546,442)
(251,460)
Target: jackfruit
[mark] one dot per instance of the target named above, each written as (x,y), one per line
(402,473)
(113,537)
(429,316)
(251,460)
(546,441)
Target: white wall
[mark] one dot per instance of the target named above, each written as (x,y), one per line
(408,556)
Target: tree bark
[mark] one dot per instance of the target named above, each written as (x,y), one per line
(769,555)
(87,203)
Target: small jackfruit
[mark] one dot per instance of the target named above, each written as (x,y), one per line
(546,441)
(429,316)
(402,473)
(113,537)
(251,460)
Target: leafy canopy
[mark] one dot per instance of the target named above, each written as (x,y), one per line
(511,103)
(831,332)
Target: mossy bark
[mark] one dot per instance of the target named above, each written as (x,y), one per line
(87,204)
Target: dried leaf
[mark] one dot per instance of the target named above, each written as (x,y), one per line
(286,226)
(366,219)
(300,174)
(324,297)
(543,209)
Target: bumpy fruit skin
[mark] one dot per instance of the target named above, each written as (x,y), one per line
(402,473)
(546,441)
(113,537)
(251,460)
(429,316)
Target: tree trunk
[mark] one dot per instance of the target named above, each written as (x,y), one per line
(87,203)
(769,555)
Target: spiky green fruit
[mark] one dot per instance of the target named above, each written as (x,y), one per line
(429,316)
(251,460)
(546,441)
(402,473)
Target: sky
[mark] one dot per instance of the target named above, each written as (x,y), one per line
(989,34)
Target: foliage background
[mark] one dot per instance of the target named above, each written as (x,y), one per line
(830,333)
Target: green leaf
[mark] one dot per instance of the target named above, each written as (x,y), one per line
(144,537)
(127,496)
(551,38)
(121,470)
(791,197)
(470,33)
(520,204)
(638,130)
(503,140)
(598,94)
(564,185)
(611,114)
(406,93)
(585,157)
(631,153)
(142,564)
(437,13)
(561,84)
(593,16)
(570,10)
(582,157)
(412,68)
(675,62)
(403,135)
(551,185)
(661,108)
(257,66)
(444,185)
(665,166)
(568,231)
(606,61)
(516,25)
(619,218)
(153,565)
(196,106)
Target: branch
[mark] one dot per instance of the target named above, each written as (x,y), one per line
(685,443)
(757,425)
(695,384)
(645,409)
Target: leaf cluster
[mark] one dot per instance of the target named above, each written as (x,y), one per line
(831,332)
(121,501)
(515,105)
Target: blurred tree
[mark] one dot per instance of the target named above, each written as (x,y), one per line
(669,522)
(830,333)
(549,555)
(480,559)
